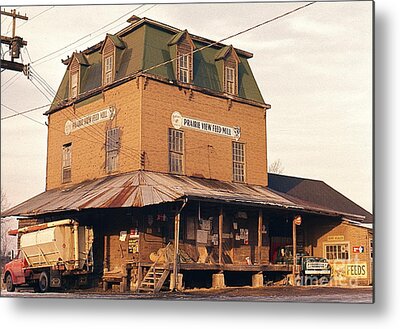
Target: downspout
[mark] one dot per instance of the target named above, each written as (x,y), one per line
(76,244)
(176,245)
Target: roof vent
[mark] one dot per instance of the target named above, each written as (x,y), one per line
(133,19)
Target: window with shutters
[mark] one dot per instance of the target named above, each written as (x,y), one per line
(112,149)
(337,251)
(108,69)
(238,158)
(74,84)
(176,151)
(66,163)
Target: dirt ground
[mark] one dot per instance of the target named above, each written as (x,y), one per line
(309,294)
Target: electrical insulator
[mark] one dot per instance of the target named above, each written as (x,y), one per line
(27,70)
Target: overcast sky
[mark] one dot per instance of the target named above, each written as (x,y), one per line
(314,67)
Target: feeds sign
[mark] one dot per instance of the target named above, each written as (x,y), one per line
(178,121)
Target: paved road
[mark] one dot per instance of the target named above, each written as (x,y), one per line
(266,294)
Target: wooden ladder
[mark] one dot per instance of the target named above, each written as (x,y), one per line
(155,277)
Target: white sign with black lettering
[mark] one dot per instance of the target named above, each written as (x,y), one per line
(178,121)
(89,120)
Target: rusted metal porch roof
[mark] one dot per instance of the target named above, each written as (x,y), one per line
(144,188)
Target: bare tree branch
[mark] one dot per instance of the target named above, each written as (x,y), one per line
(276,167)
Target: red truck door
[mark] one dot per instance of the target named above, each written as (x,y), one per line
(16,268)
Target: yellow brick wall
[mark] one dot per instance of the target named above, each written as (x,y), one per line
(206,155)
(88,144)
(355,236)
(144,109)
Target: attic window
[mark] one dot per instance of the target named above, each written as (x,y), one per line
(109,69)
(109,51)
(184,56)
(230,77)
(228,62)
(184,72)
(74,84)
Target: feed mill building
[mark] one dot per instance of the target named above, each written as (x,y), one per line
(157,139)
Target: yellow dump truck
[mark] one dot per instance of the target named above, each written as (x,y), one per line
(52,255)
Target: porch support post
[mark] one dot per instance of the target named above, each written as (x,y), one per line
(176,250)
(105,261)
(259,240)
(296,221)
(294,251)
(220,226)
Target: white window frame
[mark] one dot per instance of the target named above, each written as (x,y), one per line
(108,68)
(74,84)
(230,76)
(239,162)
(176,140)
(66,173)
(337,249)
(184,67)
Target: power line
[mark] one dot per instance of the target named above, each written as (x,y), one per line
(20,113)
(86,41)
(31,19)
(27,52)
(166,62)
(233,35)
(85,36)
(40,90)
(97,134)
(9,80)
(51,127)
(16,76)
(23,112)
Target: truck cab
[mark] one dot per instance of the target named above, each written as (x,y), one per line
(14,273)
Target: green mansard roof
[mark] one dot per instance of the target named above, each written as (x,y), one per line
(147,43)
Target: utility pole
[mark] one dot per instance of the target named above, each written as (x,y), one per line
(14,42)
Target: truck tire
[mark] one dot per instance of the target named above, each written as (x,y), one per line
(44,282)
(9,283)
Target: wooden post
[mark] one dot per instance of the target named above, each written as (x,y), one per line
(294,251)
(259,240)
(220,231)
(139,277)
(176,250)
(105,263)
(296,221)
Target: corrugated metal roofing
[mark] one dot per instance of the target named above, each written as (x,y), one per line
(142,188)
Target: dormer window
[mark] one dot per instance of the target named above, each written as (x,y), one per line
(228,63)
(230,78)
(74,84)
(109,69)
(77,66)
(184,72)
(111,50)
(182,45)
